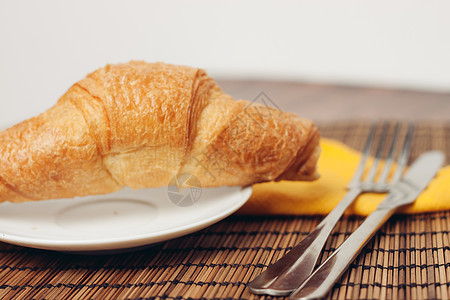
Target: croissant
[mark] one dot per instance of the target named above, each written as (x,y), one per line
(141,124)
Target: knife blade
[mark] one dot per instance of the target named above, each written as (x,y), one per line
(404,192)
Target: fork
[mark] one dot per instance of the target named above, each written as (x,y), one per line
(285,275)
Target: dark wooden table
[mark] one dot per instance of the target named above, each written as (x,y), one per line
(325,103)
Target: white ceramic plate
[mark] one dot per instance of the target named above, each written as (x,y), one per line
(118,221)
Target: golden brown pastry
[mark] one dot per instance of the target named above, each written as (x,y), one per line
(139,125)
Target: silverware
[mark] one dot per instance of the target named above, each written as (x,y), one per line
(285,275)
(402,193)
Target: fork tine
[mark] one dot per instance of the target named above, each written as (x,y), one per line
(374,168)
(366,152)
(389,160)
(403,159)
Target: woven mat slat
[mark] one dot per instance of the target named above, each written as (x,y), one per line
(409,258)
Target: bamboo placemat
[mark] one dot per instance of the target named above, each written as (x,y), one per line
(408,259)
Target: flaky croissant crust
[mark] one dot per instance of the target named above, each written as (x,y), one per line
(140,124)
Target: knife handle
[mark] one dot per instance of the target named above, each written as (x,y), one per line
(322,279)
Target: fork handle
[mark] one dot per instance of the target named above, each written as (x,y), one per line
(284,276)
(322,279)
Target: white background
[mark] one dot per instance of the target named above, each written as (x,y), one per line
(46,46)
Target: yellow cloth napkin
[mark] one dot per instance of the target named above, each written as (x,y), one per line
(336,166)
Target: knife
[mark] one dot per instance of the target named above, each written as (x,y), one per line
(404,192)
